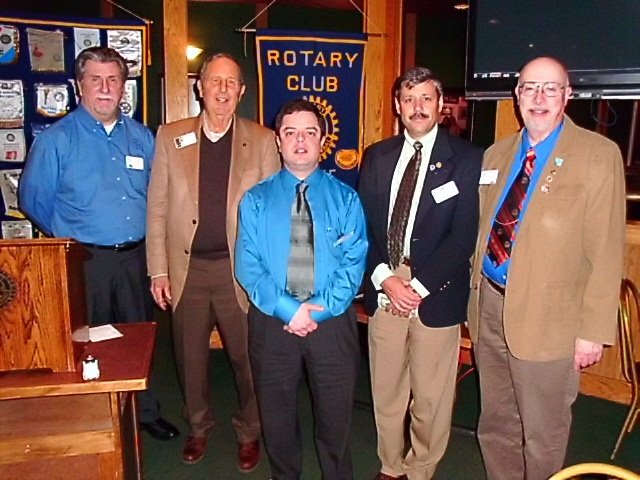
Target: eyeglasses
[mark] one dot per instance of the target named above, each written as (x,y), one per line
(549,89)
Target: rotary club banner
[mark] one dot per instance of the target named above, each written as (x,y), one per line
(326,69)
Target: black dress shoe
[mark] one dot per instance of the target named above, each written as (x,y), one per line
(160,429)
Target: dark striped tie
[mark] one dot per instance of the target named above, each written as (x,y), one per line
(503,231)
(402,207)
(300,267)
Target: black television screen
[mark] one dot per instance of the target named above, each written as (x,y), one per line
(598,41)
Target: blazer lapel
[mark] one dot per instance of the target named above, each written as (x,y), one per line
(239,151)
(490,194)
(438,173)
(190,160)
(387,167)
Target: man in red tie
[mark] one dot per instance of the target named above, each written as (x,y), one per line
(546,275)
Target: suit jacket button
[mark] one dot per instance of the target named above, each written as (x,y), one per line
(194,221)
(186,252)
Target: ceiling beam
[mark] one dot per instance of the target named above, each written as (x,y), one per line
(334,4)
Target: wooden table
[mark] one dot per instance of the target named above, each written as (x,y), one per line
(57,426)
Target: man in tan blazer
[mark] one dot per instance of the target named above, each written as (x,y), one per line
(201,169)
(546,275)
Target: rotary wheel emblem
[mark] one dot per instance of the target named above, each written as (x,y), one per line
(332,122)
(7,289)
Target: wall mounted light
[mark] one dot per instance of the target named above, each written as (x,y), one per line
(193,52)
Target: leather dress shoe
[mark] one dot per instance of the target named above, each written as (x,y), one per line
(160,429)
(248,456)
(384,476)
(194,449)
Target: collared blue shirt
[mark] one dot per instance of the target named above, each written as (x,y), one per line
(543,150)
(83,183)
(263,244)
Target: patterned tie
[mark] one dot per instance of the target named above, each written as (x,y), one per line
(503,231)
(400,215)
(300,268)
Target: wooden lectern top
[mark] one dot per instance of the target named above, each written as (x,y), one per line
(124,362)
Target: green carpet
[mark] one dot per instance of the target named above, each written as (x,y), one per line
(595,428)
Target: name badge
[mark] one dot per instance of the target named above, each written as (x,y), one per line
(445,192)
(185,140)
(488,177)
(134,163)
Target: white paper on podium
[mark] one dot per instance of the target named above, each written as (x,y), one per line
(103,332)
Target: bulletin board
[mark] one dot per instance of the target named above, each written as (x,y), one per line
(37,88)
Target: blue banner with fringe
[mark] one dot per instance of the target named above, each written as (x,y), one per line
(326,69)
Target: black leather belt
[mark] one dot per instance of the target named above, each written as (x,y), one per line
(118,247)
(496,286)
(406,261)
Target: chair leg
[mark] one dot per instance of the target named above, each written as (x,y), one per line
(625,428)
(629,422)
(635,417)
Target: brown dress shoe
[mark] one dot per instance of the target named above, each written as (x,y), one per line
(248,456)
(384,476)
(194,449)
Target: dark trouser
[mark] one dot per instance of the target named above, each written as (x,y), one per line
(117,291)
(331,356)
(209,300)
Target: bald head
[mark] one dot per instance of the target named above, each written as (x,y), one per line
(543,92)
(547,66)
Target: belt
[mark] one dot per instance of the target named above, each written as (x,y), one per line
(496,286)
(118,247)
(406,261)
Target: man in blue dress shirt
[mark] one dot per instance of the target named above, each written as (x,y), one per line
(293,326)
(86,178)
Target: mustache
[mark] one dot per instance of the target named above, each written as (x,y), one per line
(418,115)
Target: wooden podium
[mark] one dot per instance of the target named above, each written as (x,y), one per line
(42,303)
(55,426)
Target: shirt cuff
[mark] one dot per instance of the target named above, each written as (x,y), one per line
(380,274)
(286,307)
(319,316)
(419,288)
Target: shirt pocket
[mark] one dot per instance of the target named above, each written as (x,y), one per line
(332,237)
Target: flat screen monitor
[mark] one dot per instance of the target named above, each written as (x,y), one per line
(598,41)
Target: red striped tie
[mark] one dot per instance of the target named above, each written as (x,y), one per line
(503,231)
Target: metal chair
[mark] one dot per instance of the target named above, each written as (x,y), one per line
(628,313)
(611,471)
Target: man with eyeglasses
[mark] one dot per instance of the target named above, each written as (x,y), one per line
(202,167)
(546,275)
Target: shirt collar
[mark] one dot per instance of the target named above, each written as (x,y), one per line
(546,144)
(87,119)
(427,140)
(290,180)
(210,134)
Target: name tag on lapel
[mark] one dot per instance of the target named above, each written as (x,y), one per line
(488,177)
(445,191)
(185,140)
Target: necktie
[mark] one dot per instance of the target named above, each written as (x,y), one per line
(400,215)
(300,267)
(503,230)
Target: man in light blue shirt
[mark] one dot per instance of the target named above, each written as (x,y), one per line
(290,330)
(86,178)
